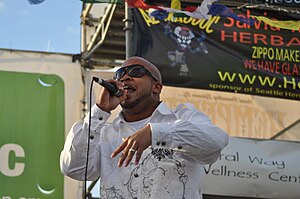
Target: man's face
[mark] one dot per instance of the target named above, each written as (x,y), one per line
(141,85)
(139,91)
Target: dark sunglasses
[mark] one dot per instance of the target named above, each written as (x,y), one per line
(135,70)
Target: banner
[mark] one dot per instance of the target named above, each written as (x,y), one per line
(222,54)
(256,169)
(32,134)
(40,100)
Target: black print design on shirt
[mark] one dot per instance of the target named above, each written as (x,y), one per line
(143,177)
(111,192)
(161,153)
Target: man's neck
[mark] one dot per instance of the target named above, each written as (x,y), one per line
(136,114)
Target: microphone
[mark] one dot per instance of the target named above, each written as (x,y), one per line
(109,86)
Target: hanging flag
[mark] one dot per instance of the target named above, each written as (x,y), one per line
(104,1)
(176,4)
(200,12)
(158,14)
(35,1)
(204,11)
(139,4)
(289,25)
(224,11)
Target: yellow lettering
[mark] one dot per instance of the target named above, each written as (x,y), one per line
(148,20)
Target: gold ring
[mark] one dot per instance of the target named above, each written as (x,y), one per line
(132,150)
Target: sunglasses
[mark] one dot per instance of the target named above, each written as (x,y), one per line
(135,70)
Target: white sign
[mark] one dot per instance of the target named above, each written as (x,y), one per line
(255,168)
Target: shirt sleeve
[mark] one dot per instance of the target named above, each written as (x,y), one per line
(192,133)
(73,156)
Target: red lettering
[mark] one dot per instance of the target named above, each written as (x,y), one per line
(277,40)
(288,69)
(240,24)
(245,37)
(285,68)
(231,22)
(248,15)
(260,37)
(272,67)
(224,36)
(277,67)
(295,70)
(254,38)
(250,64)
(267,66)
(291,42)
(257,24)
(260,65)
(254,64)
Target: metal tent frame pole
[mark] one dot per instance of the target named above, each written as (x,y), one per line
(128,30)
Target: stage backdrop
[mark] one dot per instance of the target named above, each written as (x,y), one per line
(222,54)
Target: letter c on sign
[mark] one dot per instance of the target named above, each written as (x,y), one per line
(18,168)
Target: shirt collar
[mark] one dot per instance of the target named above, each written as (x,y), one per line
(162,109)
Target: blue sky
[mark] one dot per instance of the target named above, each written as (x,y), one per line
(52,26)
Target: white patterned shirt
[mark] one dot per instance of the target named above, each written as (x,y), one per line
(183,140)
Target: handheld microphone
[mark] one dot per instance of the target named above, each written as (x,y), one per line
(110,87)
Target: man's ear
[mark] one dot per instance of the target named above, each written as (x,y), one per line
(157,87)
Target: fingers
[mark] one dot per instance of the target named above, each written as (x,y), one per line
(138,156)
(133,145)
(108,102)
(120,148)
(128,148)
(128,154)
(119,85)
(129,157)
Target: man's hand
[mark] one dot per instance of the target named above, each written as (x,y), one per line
(134,144)
(108,102)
